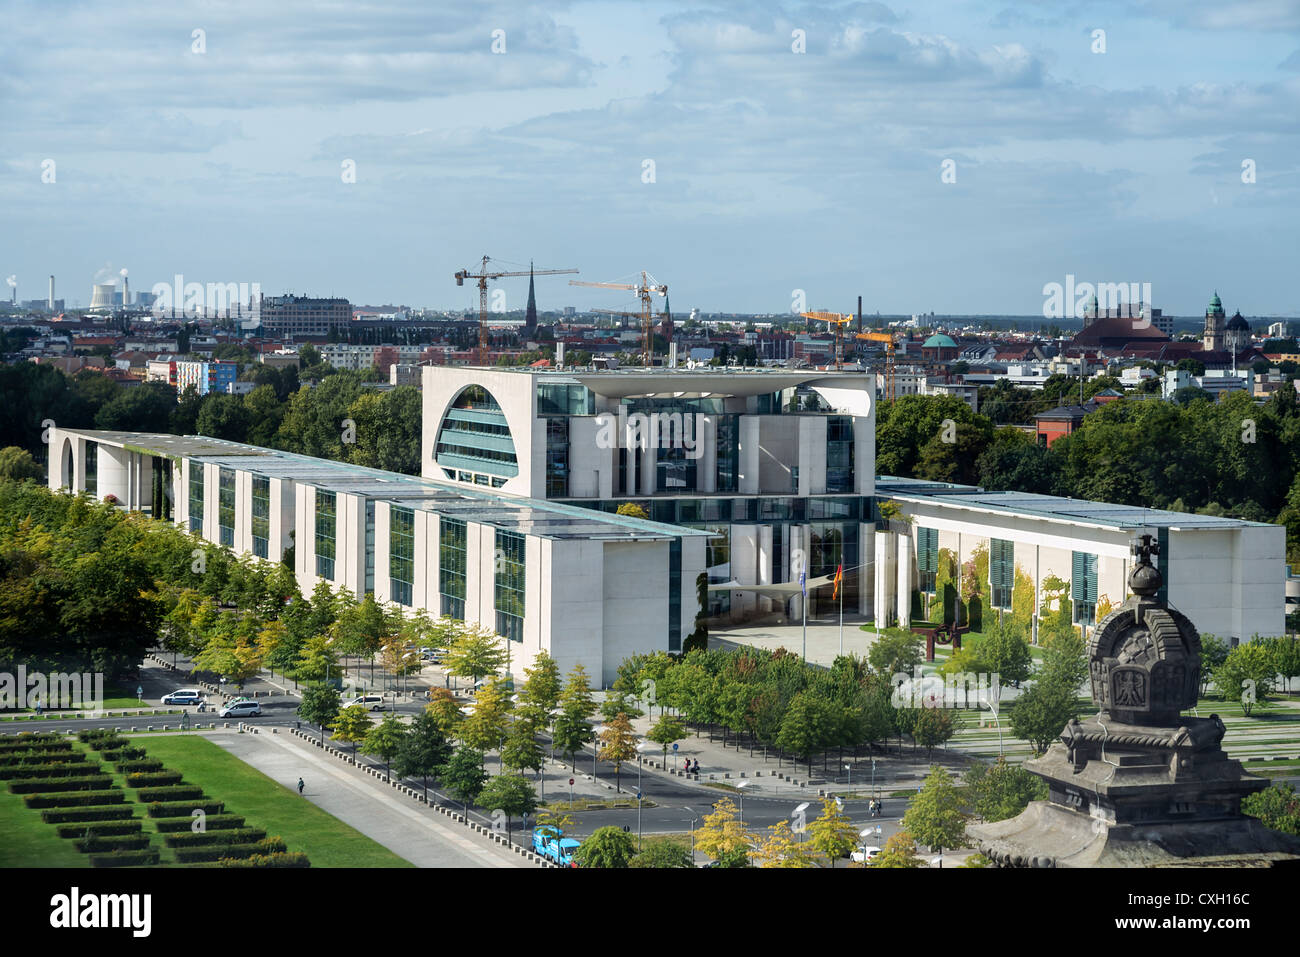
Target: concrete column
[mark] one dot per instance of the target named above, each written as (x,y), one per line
(866,574)
(747,481)
(744,569)
(114,474)
(764,570)
(706,466)
(904,575)
(884,541)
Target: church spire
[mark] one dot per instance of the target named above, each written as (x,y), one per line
(530,316)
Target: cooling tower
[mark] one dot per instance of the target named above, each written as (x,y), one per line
(103,295)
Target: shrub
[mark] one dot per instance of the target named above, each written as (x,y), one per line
(184,808)
(60,769)
(75,799)
(125,842)
(128,767)
(53,785)
(122,754)
(277,859)
(125,858)
(117,812)
(153,779)
(238,835)
(101,829)
(32,738)
(216,852)
(178,792)
(213,822)
(63,749)
(108,744)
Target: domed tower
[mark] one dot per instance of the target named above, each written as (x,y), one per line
(1237,334)
(1139,784)
(1213,340)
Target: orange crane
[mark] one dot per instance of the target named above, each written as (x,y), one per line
(483,276)
(890,343)
(644,289)
(836,320)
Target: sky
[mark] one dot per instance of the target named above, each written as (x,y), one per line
(949,157)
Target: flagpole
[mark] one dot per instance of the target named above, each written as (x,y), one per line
(840,589)
(803,587)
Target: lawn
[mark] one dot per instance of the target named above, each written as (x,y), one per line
(326,840)
(27,841)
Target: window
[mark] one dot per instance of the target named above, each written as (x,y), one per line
(839,453)
(510,585)
(557,458)
(226,506)
(326,530)
(451,567)
(1001,572)
(675,595)
(370,546)
(401,554)
(1083,588)
(475,438)
(261,515)
(196,498)
(927,558)
(92,468)
(728,446)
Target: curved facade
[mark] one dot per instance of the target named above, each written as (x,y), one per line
(474,443)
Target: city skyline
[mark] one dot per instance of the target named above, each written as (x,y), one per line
(224,155)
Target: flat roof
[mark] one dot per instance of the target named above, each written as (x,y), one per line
(1034,505)
(516,513)
(635,382)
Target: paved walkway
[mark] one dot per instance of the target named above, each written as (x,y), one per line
(372,807)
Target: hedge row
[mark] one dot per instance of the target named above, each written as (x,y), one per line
(185,808)
(23,755)
(277,859)
(148,764)
(238,835)
(216,852)
(96,734)
(213,822)
(108,744)
(178,792)
(127,842)
(153,779)
(122,754)
(118,812)
(31,738)
(99,830)
(51,785)
(125,858)
(75,799)
(65,770)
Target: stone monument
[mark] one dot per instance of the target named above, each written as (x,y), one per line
(1139,784)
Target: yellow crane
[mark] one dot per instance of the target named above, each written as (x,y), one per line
(836,320)
(483,276)
(890,344)
(645,290)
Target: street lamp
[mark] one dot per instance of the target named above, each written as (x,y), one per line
(797,813)
(849,768)
(694,818)
(595,748)
(740,786)
(641,749)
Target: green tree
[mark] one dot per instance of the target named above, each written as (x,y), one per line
(607,847)
(510,793)
(933,727)
(17,464)
(540,693)
(807,727)
(935,817)
(1065,657)
(833,834)
(463,775)
(319,706)
(896,653)
(385,741)
(1006,652)
(223,416)
(424,749)
(1248,671)
(352,725)
(899,851)
(664,855)
(475,653)
(445,711)
(1213,652)
(573,728)
(1003,790)
(1277,807)
(666,732)
(485,728)
(619,702)
(1042,711)
(317,660)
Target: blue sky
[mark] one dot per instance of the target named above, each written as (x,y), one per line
(774,170)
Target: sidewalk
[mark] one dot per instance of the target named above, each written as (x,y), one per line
(367,804)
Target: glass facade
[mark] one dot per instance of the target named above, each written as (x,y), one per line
(370,547)
(92,468)
(226,506)
(261,515)
(326,533)
(196,498)
(509,586)
(401,555)
(563,398)
(474,438)
(557,457)
(1002,572)
(728,449)
(927,558)
(1083,587)
(675,595)
(839,453)
(451,568)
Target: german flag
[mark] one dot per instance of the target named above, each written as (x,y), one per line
(839,577)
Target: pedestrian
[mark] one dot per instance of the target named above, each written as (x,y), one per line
(686,765)
(696,769)
(38,706)
(300,786)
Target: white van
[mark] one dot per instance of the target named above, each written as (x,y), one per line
(241,709)
(186,696)
(372,701)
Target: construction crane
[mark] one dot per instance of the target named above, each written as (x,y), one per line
(835,320)
(647,287)
(483,276)
(888,339)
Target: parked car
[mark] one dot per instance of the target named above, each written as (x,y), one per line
(372,701)
(186,696)
(865,855)
(241,709)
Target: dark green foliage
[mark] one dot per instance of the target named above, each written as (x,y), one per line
(178,792)
(276,859)
(185,808)
(117,812)
(213,822)
(94,782)
(154,779)
(125,858)
(216,852)
(123,842)
(102,829)
(75,799)
(238,835)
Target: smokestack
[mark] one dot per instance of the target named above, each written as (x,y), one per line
(51,302)
(126,292)
(859,313)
